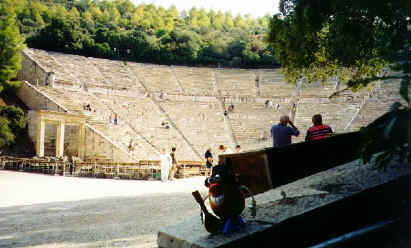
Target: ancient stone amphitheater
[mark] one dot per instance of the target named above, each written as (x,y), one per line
(192,100)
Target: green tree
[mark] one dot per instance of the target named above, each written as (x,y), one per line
(11,45)
(211,16)
(6,135)
(15,115)
(228,22)
(138,15)
(193,17)
(102,28)
(239,22)
(218,21)
(124,7)
(62,34)
(173,12)
(203,19)
(351,40)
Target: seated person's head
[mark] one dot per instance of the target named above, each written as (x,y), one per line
(317,120)
(221,148)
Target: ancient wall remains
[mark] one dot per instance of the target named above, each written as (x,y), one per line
(97,146)
(71,140)
(50,139)
(37,100)
(32,71)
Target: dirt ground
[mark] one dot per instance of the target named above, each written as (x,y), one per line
(53,211)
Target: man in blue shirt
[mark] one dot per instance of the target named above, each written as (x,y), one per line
(282,133)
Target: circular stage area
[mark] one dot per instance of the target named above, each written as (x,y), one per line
(53,211)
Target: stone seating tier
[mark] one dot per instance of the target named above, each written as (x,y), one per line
(196,81)
(318,89)
(49,64)
(117,73)
(157,78)
(196,123)
(379,102)
(236,82)
(145,118)
(120,134)
(336,114)
(202,122)
(62,97)
(251,122)
(81,68)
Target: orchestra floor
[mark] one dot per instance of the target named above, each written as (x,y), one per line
(53,211)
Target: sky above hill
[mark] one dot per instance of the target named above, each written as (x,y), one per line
(255,8)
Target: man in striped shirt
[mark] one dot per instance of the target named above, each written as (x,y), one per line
(319,130)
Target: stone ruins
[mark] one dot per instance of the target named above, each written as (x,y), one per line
(74,102)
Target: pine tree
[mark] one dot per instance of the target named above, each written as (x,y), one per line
(11,45)
(218,20)
(228,20)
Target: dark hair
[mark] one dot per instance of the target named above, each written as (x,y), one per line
(173,149)
(221,147)
(317,120)
(237,146)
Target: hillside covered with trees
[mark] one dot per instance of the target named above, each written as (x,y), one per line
(118,29)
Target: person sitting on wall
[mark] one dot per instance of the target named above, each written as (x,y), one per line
(224,149)
(238,149)
(281,133)
(318,130)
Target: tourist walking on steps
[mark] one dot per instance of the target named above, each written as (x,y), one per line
(318,130)
(174,165)
(165,164)
(282,133)
(115,118)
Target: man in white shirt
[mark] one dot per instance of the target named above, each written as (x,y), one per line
(165,162)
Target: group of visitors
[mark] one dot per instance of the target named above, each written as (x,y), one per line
(283,131)
(230,109)
(169,164)
(269,105)
(223,150)
(165,125)
(87,107)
